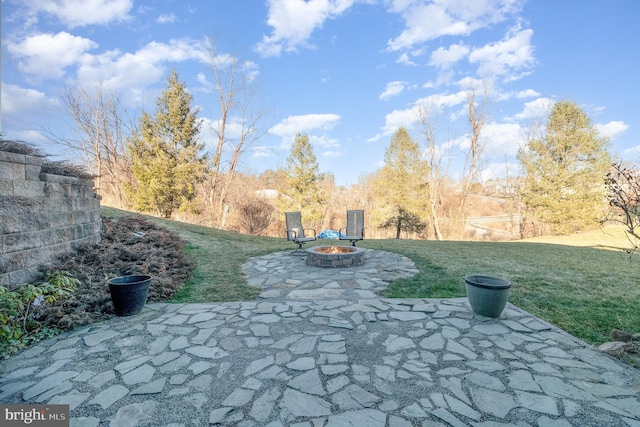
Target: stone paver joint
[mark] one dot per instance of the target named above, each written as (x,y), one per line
(320,348)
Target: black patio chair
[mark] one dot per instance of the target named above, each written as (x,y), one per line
(354,230)
(297,233)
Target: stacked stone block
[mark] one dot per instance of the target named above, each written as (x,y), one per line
(351,257)
(42,216)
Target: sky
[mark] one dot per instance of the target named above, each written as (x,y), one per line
(347,73)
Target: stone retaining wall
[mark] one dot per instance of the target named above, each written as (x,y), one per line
(42,216)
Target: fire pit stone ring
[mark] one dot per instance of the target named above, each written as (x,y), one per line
(335,256)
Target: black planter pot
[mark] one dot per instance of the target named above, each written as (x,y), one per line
(129,294)
(487,295)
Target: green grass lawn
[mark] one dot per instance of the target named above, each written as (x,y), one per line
(584,290)
(584,284)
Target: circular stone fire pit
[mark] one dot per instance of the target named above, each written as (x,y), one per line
(335,256)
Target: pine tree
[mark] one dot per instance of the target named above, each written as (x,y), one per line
(565,171)
(400,187)
(165,154)
(302,190)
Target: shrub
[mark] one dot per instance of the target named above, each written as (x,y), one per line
(19,307)
(623,192)
(256,215)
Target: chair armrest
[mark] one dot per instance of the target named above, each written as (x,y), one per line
(344,235)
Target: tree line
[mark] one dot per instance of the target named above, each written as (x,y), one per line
(159,165)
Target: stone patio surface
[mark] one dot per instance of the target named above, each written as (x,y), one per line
(320,348)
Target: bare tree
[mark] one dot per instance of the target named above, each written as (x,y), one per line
(623,192)
(473,156)
(236,95)
(427,118)
(99,123)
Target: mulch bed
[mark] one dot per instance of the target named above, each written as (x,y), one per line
(130,245)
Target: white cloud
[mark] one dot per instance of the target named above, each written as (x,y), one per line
(595,110)
(499,140)
(18,101)
(209,137)
(410,116)
(528,93)
(471,83)
(78,13)
(445,58)
(395,120)
(460,142)
(506,96)
(48,55)
(537,109)
(612,130)
(441,100)
(233,128)
(404,59)
(62,55)
(313,125)
(233,132)
(498,170)
(165,18)
(202,79)
(292,125)
(324,141)
(133,72)
(633,151)
(33,136)
(25,112)
(261,151)
(225,63)
(392,89)
(511,54)
(293,22)
(428,21)
(502,139)
(332,153)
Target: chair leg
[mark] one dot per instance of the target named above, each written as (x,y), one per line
(299,251)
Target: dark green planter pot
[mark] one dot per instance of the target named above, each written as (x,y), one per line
(487,295)
(129,294)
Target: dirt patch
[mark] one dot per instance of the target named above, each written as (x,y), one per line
(130,245)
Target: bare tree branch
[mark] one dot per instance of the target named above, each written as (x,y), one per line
(236,98)
(473,156)
(428,119)
(98,121)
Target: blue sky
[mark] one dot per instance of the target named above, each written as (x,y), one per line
(346,72)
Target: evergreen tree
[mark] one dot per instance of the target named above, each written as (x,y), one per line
(302,190)
(400,187)
(165,154)
(565,171)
